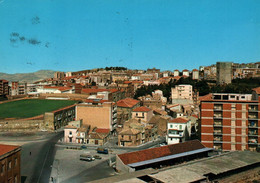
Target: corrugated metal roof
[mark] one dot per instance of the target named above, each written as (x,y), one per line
(133,165)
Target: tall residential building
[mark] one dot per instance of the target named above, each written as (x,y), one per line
(4,90)
(182,92)
(19,88)
(224,72)
(10,163)
(231,121)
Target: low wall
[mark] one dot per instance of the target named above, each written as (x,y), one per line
(21,125)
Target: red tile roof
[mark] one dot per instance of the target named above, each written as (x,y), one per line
(7,148)
(206,97)
(127,82)
(195,70)
(179,120)
(157,152)
(127,102)
(102,130)
(142,109)
(195,116)
(257,90)
(185,70)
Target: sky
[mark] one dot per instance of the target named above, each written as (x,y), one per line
(73,35)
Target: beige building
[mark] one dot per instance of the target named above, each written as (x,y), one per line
(182,92)
(144,114)
(125,108)
(97,113)
(135,133)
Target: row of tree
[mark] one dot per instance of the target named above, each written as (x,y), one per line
(204,87)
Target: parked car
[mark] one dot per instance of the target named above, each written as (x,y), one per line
(83,147)
(97,157)
(86,157)
(102,150)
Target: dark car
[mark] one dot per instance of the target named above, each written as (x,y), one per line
(102,150)
(83,147)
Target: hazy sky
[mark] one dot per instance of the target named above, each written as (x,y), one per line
(71,35)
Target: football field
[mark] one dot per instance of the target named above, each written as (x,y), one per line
(31,107)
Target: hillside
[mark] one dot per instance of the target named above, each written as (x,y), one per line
(28,77)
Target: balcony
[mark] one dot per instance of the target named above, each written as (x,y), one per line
(252,141)
(253,108)
(217,124)
(217,116)
(252,133)
(218,108)
(217,132)
(253,117)
(252,125)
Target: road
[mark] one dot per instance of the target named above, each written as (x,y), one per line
(37,158)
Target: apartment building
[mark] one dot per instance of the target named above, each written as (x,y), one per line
(18,88)
(231,121)
(98,113)
(10,163)
(178,130)
(4,90)
(182,92)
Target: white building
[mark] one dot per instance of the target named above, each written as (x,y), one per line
(176,73)
(185,72)
(195,74)
(178,130)
(55,89)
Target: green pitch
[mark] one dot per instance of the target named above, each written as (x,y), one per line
(31,107)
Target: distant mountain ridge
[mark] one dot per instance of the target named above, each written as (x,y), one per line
(28,77)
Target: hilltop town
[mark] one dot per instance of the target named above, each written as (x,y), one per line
(133,125)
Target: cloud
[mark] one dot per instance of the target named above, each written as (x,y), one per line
(34,41)
(35,20)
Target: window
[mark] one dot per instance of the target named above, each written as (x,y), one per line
(15,161)
(143,114)
(70,132)
(9,165)
(180,127)
(136,114)
(171,126)
(2,169)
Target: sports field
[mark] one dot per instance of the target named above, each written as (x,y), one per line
(31,107)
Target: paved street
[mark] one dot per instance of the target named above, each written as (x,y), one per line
(66,160)
(35,168)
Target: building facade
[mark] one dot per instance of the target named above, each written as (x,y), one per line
(98,113)
(224,72)
(10,164)
(178,130)
(230,121)
(182,92)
